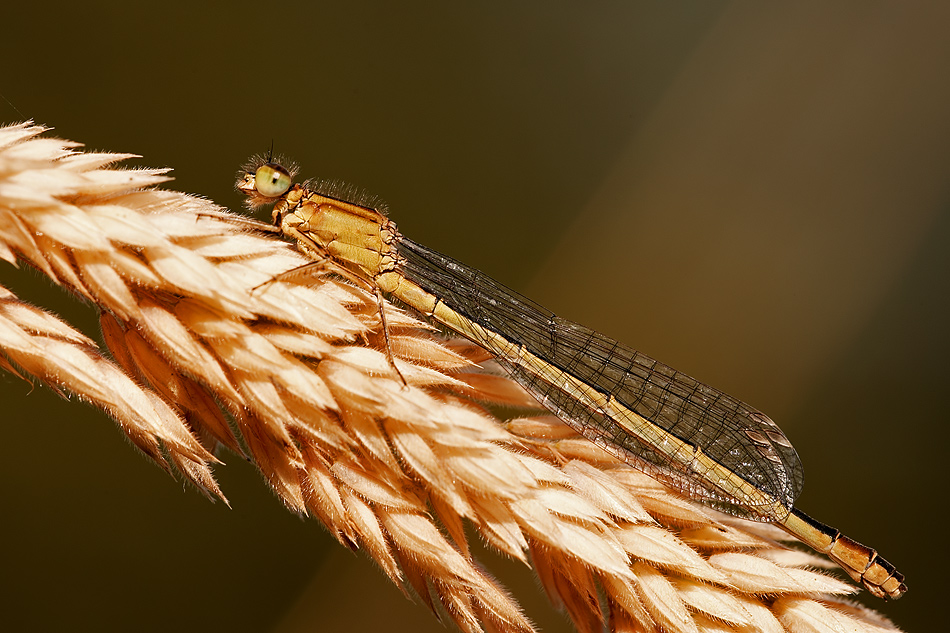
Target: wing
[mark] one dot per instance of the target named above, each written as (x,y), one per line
(730,432)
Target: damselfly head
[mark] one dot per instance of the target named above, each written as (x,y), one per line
(263,180)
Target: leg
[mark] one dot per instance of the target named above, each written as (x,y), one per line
(241,221)
(389,350)
(293,272)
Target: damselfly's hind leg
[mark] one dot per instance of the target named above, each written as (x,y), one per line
(381,302)
(325,263)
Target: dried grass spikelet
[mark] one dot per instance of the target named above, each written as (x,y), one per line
(292,375)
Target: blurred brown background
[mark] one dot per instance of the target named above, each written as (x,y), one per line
(757,194)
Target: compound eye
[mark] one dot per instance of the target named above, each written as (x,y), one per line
(271,180)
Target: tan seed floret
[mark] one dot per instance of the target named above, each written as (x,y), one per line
(292,374)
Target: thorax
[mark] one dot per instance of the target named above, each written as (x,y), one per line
(360,238)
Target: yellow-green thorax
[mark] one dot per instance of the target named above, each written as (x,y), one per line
(359,238)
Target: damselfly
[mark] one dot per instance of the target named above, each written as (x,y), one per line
(696,439)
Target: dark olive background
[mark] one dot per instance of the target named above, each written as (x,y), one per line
(757,194)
